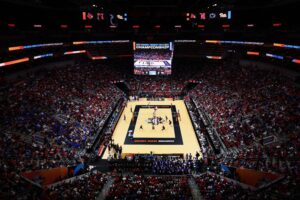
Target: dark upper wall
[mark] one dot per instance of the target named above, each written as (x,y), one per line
(51,14)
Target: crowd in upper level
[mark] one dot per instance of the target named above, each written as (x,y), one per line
(247,104)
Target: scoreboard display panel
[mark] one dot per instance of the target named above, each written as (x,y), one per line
(153,58)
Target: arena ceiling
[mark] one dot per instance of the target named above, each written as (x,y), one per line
(178,4)
(148,14)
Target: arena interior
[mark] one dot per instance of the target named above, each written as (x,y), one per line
(149,99)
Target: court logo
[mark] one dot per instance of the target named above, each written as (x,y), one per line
(155,120)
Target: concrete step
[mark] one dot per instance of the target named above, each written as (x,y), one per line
(194,189)
(105,189)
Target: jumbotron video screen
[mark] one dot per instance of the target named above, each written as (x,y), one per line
(153,58)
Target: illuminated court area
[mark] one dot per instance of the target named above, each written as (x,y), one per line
(155,126)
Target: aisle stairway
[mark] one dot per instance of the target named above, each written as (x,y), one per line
(194,189)
(105,189)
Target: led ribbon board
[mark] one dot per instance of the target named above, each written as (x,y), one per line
(233,42)
(74,52)
(13,62)
(274,56)
(214,57)
(100,42)
(33,46)
(253,53)
(43,56)
(286,46)
(185,41)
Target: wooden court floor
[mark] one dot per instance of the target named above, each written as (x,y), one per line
(183,127)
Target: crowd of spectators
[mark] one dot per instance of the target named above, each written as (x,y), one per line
(280,158)
(61,109)
(286,189)
(215,187)
(87,186)
(150,187)
(175,165)
(14,187)
(247,104)
(19,156)
(159,86)
(159,165)
(49,117)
